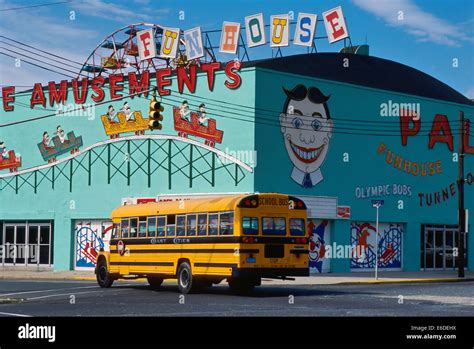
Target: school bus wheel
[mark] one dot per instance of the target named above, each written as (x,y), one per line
(186,282)
(103,278)
(155,282)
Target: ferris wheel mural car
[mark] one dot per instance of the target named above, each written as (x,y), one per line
(8,159)
(195,126)
(124,121)
(59,144)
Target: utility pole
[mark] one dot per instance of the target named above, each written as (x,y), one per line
(461,210)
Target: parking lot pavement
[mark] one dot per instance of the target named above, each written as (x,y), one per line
(85,298)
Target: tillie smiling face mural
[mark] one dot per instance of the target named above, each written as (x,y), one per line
(307,128)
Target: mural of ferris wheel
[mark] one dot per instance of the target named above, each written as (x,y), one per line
(118,54)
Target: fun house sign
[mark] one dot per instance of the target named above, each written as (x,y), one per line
(279,36)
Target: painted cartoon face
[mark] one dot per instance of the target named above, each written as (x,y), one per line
(316,248)
(306,131)
(46,137)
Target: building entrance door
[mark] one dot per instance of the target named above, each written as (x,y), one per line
(439,244)
(27,244)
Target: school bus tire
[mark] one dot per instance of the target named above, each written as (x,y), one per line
(103,277)
(186,282)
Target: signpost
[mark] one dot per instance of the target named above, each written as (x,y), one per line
(377,204)
(461,210)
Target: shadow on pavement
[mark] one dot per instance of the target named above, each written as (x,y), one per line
(259,291)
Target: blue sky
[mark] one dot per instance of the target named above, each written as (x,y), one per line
(431,35)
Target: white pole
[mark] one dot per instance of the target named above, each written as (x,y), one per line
(377,243)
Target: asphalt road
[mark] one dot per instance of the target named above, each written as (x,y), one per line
(130,298)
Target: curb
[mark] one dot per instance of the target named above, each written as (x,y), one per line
(377,282)
(404,281)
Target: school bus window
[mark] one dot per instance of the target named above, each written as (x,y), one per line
(170,230)
(273,226)
(115,231)
(125,228)
(191,225)
(227,223)
(151,227)
(133,227)
(142,227)
(170,225)
(250,225)
(297,227)
(213,227)
(202,224)
(280,226)
(161,225)
(180,225)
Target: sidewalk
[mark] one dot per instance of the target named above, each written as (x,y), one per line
(320,279)
(383,278)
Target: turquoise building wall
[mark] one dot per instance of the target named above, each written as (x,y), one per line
(249,117)
(365,166)
(97,200)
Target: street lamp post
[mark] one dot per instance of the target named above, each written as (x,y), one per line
(377,204)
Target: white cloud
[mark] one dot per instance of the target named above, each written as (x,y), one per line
(72,39)
(425,26)
(23,76)
(112,11)
(57,35)
(470,93)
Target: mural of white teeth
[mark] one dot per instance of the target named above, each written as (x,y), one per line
(307,155)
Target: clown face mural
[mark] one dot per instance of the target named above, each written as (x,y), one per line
(317,244)
(307,128)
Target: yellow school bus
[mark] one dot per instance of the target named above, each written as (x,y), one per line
(241,238)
